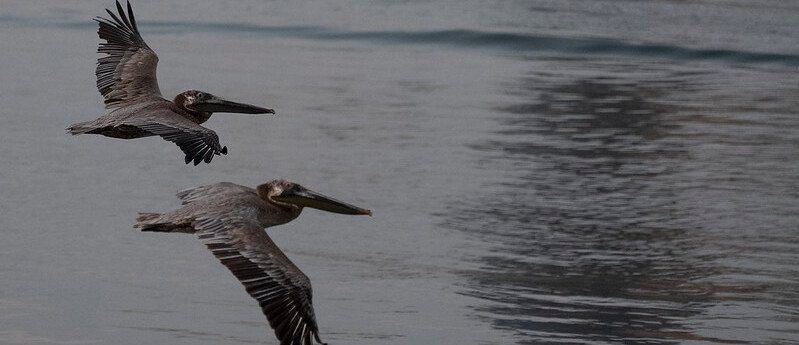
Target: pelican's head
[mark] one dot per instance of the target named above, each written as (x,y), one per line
(294,197)
(204,102)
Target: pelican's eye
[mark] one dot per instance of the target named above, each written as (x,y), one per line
(295,188)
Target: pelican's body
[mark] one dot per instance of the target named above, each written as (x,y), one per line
(119,123)
(126,78)
(230,220)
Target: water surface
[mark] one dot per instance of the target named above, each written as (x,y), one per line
(570,172)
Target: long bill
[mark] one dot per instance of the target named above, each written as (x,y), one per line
(308,198)
(219,105)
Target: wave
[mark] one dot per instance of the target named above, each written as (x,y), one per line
(473,39)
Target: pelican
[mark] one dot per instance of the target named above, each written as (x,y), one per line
(230,220)
(126,79)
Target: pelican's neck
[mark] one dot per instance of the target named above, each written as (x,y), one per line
(199,117)
(195,116)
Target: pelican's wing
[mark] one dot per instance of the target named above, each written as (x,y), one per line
(197,142)
(190,195)
(127,72)
(281,289)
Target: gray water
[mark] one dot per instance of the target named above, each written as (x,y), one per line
(570,172)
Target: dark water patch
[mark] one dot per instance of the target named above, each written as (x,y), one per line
(595,230)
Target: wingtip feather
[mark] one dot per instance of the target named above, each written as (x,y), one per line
(132,18)
(124,16)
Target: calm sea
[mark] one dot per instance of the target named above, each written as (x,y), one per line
(541,172)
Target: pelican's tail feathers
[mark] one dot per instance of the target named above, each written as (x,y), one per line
(146,217)
(81,128)
(149,222)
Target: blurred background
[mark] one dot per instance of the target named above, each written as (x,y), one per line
(541,172)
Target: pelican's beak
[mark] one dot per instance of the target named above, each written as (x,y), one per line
(215,104)
(303,197)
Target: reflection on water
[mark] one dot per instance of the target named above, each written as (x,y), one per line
(595,230)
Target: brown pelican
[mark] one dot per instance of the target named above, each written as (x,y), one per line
(126,79)
(230,220)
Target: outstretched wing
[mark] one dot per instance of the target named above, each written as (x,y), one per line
(197,142)
(127,72)
(281,289)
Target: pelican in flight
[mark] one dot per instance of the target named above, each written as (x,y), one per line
(126,79)
(230,220)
